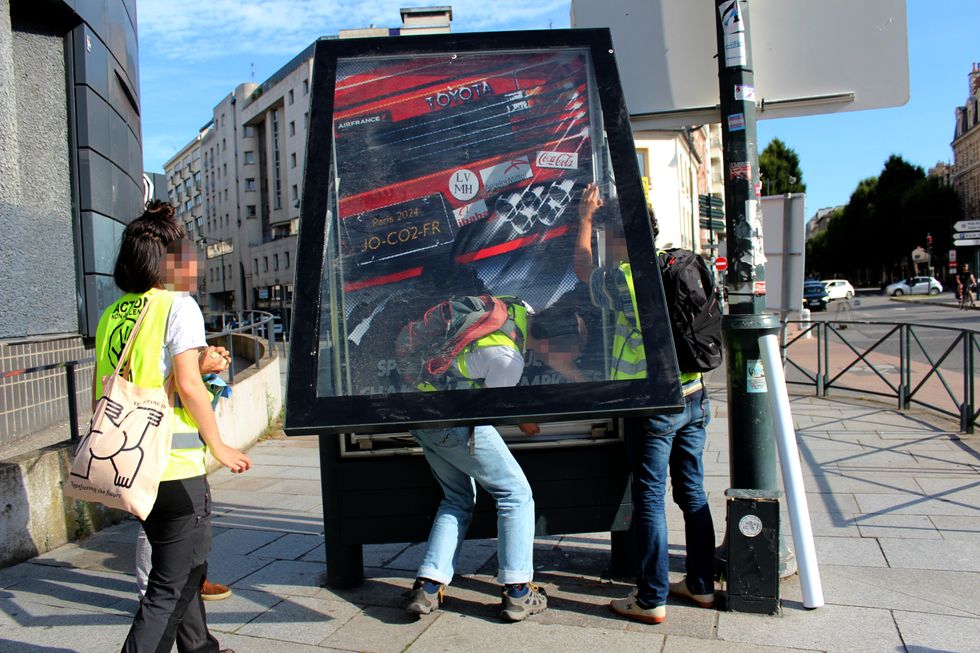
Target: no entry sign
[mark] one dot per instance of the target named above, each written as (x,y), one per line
(721,263)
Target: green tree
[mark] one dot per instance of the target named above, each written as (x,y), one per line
(870,241)
(780,168)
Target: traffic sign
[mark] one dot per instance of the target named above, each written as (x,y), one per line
(967,234)
(721,263)
(967,225)
(970,242)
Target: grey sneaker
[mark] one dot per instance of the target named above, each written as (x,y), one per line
(421,602)
(520,609)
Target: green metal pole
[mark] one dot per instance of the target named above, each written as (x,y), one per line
(751,435)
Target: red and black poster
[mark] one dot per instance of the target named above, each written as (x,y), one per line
(448,167)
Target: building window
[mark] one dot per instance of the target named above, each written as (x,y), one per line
(255,266)
(249,131)
(306,121)
(265,263)
(295,192)
(249,185)
(276,173)
(249,157)
(224,144)
(292,160)
(287,260)
(275,262)
(306,86)
(250,211)
(292,127)
(290,96)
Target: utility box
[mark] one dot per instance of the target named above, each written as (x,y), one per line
(752,574)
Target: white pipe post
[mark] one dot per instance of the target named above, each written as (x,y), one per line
(789,460)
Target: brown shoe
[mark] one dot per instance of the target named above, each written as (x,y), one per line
(214,591)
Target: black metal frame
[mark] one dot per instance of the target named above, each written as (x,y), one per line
(307,413)
(967,341)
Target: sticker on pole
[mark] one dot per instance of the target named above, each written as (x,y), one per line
(755,376)
(750,526)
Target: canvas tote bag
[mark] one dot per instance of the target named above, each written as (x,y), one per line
(121,459)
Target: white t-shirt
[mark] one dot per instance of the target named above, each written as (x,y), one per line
(185,330)
(498,366)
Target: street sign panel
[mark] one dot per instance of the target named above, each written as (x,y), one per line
(721,263)
(967,225)
(967,234)
(970,242)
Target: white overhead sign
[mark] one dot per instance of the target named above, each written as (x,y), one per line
(967,225)
(971,242)
(967,234)
(804,56)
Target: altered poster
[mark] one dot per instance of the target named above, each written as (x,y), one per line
(461,275)
(461,176)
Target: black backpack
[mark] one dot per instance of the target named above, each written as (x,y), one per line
(692,304)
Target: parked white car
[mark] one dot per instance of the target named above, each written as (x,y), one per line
(839,288)
(915,286)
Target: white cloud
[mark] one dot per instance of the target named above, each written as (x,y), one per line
(200,30)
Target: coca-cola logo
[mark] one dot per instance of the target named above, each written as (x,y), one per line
(560,160)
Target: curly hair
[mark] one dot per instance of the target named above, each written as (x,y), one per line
(144,243)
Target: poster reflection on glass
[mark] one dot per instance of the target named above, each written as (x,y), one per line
(455,203)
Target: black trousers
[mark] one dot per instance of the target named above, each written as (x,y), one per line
(179,531)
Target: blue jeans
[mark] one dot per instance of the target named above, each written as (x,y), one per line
(655,444)
(458,470)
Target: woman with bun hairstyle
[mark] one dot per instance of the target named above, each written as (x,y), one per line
(156,268)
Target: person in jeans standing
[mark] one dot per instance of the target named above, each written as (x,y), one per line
(654,445)
(461,457)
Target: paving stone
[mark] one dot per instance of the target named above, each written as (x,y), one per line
(682,644)
(276,471)
(70,588)
(956,489)
(286,578)
(953,555)
(849,551)
(379,555)
(301,619)
(61,629)
(830,628)
(229,568)
(953,527)
(279,521)
(317,554)
(913,527)
(458,633)
(242,607)
(291,546)
(929,633)
(472,556)
(850,481)
(257,644)
(246,483)
(299,487)
(912,504)
(379,630)
(933,592)
(242,541)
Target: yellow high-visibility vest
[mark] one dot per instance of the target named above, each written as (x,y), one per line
(187,454)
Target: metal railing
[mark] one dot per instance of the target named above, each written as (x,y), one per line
(903,360)
(251,322)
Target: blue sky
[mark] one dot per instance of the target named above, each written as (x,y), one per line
(193,53)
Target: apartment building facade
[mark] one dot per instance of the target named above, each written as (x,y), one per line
(677,166)
(238,183)
(965,178)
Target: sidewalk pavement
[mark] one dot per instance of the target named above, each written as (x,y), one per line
(894,505)
(935,300)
